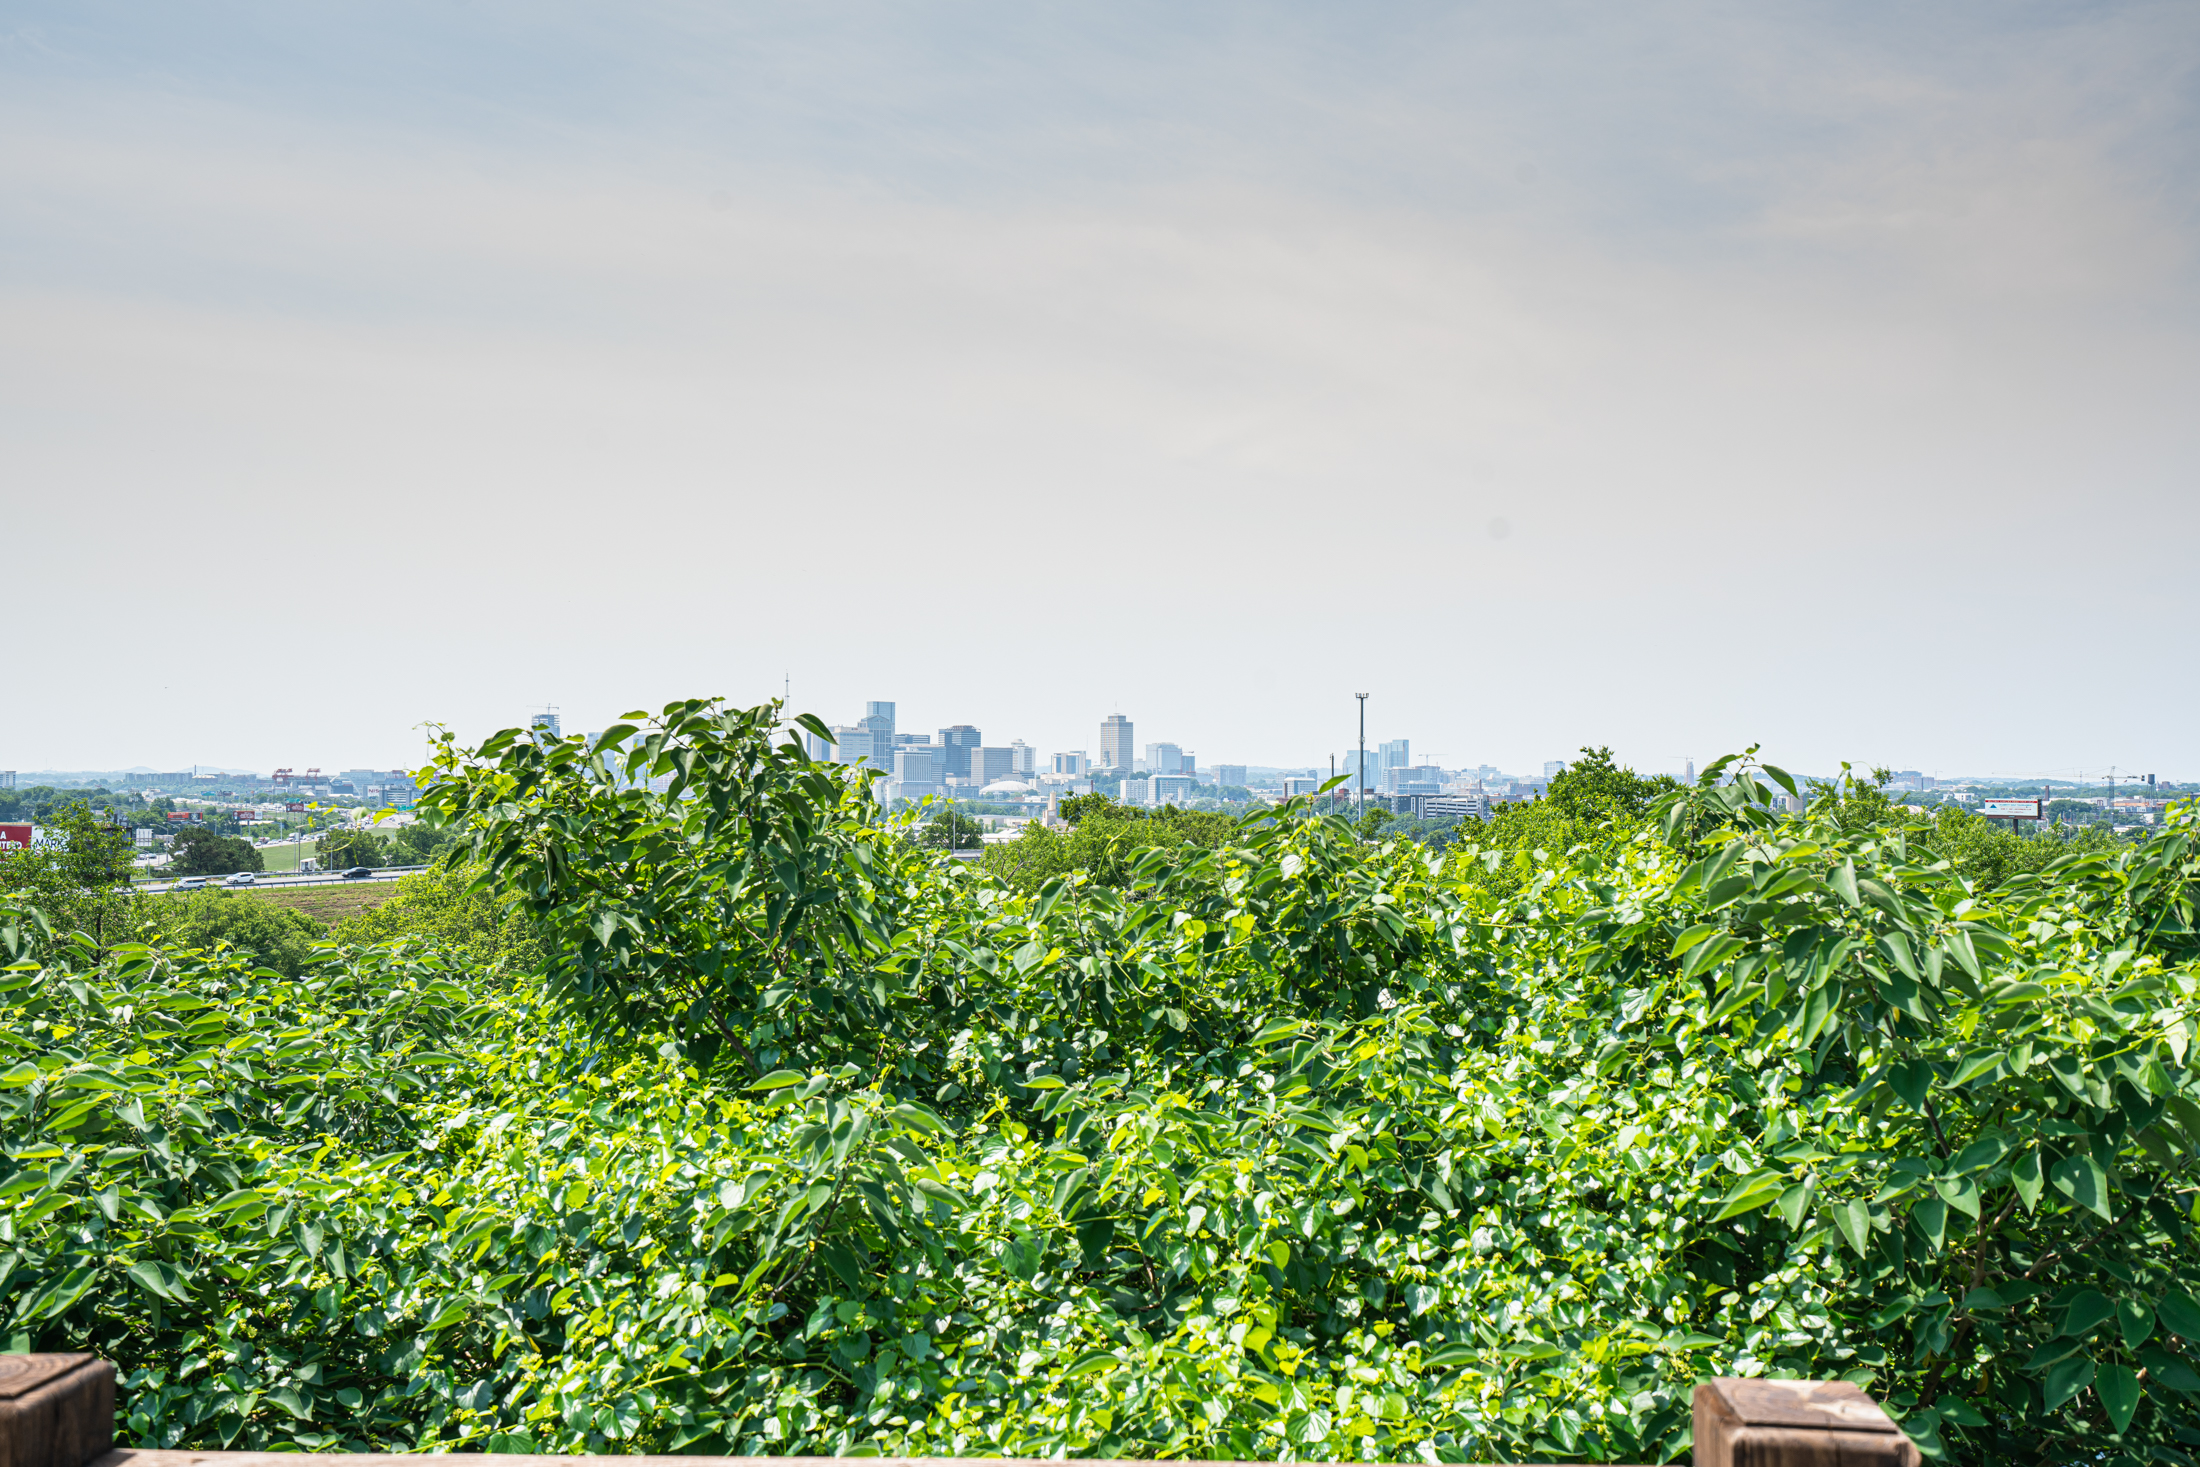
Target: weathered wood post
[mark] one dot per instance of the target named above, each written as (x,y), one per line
(55,1410)
(1795,1423)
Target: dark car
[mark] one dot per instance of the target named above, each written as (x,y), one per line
(358,871)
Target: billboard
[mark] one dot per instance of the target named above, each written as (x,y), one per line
(296,807)
(15,838)
(2010,809)
(181,815)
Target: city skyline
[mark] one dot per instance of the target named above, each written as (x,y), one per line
(1383,754)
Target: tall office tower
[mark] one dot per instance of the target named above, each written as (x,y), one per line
(1074,763)
(880,710)
(545,723)
(1393,755)
(1164,759)
(816,747)
(1230,774)
(1025,759)
(851,743)
(878,738)
(960,740)
(917,770)
(1115,742)
(989,764)
(1553,767)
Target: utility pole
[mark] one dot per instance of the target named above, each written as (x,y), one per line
(1363,751)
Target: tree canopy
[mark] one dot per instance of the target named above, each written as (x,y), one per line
(788,1135)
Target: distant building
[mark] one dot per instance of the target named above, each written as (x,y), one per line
(1138,790)
(1395,754)
(1451,807)
(1552,768)
(1415,779)
(959,741)
(918,770)
(1164,759)
(1074,763)
(851,745)
(1025,759)
(990,764)
(1230,774)
(546,723)
(1115,742)
(1169,789)
(1301,787)
(902,738)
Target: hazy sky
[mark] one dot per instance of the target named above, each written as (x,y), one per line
(1672,376)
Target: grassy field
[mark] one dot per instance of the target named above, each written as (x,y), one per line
(285,857)
(329,904)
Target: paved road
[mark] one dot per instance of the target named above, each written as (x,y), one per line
(262,883)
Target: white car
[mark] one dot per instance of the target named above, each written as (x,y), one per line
(189,883)
(242,878)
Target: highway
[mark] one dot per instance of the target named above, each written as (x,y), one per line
(262,883)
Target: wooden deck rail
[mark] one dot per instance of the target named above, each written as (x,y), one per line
(59,1411)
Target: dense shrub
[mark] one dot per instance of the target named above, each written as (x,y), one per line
(809,1141)
(280,937)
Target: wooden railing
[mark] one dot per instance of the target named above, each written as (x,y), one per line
(59,1411)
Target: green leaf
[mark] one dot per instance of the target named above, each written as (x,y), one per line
(1980,1154)
(2170,1370)
(1843,881)
(1931,1217)
(1693,936)
(1796,1200)
(2180,1314)
(2081,1179)
(2118,1388)
(1975,1064)
(2136,1319)
(2025,1177)
(1092,1362)
(160,1279)
(1913,1081)
(2086,1313)
(1749,1194)
(2065,1379)
(1854,1219)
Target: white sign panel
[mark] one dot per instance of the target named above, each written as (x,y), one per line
(2011,809)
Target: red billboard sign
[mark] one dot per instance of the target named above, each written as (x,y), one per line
(180,815)
(296,807)
(14,838)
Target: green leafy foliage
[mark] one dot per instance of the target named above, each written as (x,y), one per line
(279,937)
(1297,1144)
(1102,841)
(79,876)
(341,850)
(448,908)
(198,851)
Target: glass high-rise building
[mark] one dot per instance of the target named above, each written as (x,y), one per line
(959,741)
(1117,741)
